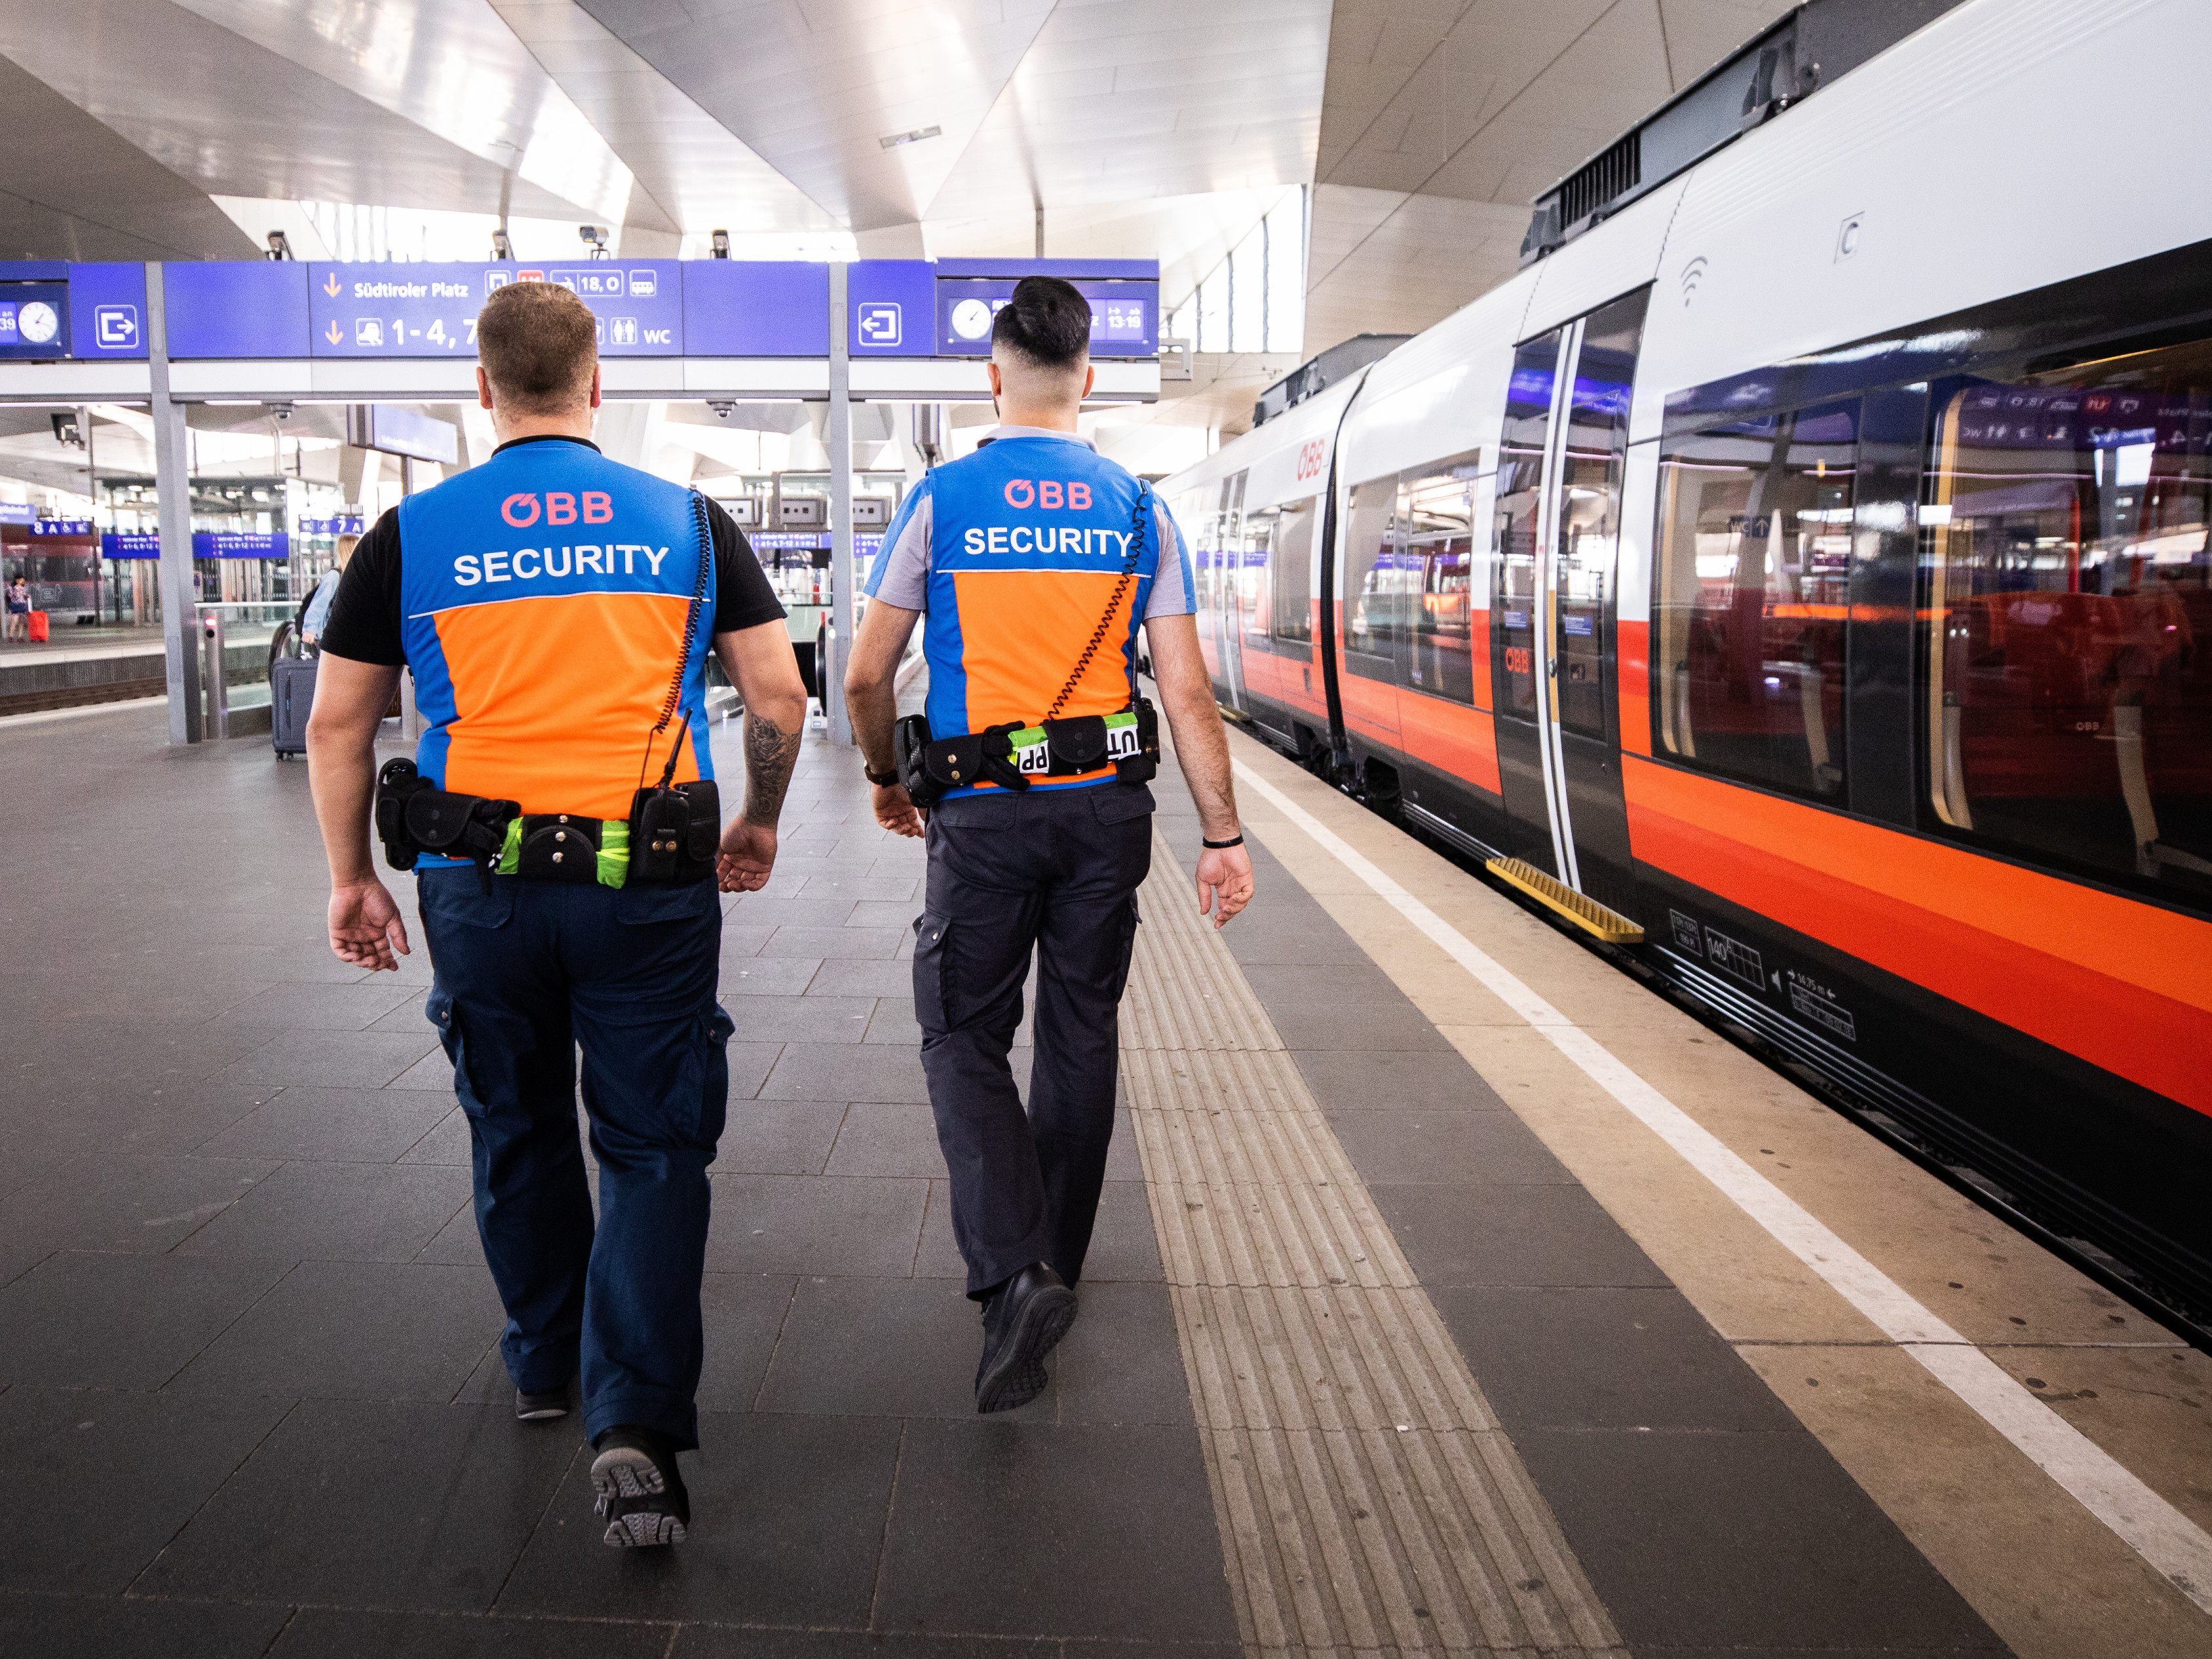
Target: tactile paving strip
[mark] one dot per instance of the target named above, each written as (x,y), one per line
(1367,1502)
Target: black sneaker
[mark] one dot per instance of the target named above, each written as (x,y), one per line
(636,1487)
(541,1405)
(1022,1320)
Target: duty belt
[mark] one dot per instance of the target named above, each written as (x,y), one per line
(415,816)
(1015,754)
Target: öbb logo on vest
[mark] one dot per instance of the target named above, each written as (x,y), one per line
(1050,494)
(557,507)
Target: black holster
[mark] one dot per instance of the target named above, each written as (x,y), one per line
(415,816)
(675,833)
(931,767)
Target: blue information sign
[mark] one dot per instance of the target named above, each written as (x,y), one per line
(107,310)
(241,544)
(34,319)
(346,525)
(748,308)
(236,308)
(17,513)
(430,310)
(1125,316)
(131,544)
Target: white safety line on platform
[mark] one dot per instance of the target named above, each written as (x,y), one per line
(2162,1534)
(9,722)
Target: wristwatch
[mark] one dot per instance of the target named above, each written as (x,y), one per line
(881,780)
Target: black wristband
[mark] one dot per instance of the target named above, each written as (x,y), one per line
(1236,839)
(881,780)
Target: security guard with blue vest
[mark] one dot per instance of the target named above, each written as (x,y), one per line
(1034,561)
(562,816)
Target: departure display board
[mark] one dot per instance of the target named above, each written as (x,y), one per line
(430,310)
(1125,316)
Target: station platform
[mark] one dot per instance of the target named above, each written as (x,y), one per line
(1453,1295)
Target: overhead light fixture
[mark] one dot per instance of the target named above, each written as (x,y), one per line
(280,246)
(914,137)
(501,247)
(595,238)
(721,242)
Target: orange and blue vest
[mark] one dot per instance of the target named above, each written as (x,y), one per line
(545,595)
(1025,539)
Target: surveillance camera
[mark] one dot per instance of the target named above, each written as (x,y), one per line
(501,248)
(721,243)
(282,411)
(723,408)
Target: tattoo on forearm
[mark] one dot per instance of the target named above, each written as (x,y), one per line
(770,754)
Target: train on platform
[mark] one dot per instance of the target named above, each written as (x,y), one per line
(1807,557)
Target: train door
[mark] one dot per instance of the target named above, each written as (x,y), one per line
(1229,586)
(1555,606)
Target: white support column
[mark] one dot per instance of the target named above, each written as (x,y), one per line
(840,442)
(173,494)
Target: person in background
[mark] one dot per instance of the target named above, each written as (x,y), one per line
(1017,555)
(317,609)
(19,609)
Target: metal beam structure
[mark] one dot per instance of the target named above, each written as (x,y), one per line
(831,670)
(173,490)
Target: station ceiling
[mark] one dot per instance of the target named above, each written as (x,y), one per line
(1138,128)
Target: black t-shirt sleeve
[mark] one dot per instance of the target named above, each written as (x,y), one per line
(365,622)
(743,598)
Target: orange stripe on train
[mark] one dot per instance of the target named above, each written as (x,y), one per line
(2123,985)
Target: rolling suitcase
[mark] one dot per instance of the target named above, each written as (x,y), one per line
(36,628)
(291,696)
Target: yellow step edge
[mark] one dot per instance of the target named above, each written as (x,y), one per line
(1584,912)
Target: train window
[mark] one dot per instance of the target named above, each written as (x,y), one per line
(1753,595)
(1289,574)
(1256,575)
(1519,494)
(1372,591)
(2070,627)
(1435,541)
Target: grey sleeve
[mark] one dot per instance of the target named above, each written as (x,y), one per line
(1172,586)
(901,575)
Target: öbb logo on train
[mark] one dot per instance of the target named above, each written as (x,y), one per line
(558,507)
(1050,494)
(1312,454)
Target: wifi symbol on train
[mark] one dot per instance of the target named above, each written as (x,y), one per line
(1692,274)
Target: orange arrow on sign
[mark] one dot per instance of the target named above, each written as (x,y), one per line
(330,284)
(334,333)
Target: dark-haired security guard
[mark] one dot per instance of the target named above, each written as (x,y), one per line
(1035,560)
(556,610)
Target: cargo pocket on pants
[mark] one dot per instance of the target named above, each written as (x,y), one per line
(442,1014)
(713,1037)
(933,973)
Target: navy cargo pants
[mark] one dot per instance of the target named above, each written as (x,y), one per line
(523,976)
(1055,871)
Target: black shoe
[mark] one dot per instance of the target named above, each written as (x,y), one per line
(636,1487)
(541,1405)
(1023,1319)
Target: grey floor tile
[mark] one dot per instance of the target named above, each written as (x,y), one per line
(120,1321)
(767,976)
(744,1316)
(778,1137)
(814,1224)
(407,1017)
(725,1642)
(1350,984)
(447,1141)
(1354,1080)
(831,1360)
(830,943)
(1736,1541)
(863,976)
(787,1525)
(740,945)
(1603,1358)
(846,1072)
(1123,1244)
(894,1021)
(366,1125)
(338,1213)
(1447,1147)
(76,1627)
(1533,1235)
(336,1633)
(880,1139)
(310,1007)
(803,1019)
(1122,1362)
(356,1330)
(143,1463)
(338,1060)
(141,1205)
(411,1507)
(749,1065)
(147,1121)
(759,910)
(434,1070)
(1337,1027)
(1104,1533)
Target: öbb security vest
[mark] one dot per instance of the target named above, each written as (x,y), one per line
(544,595)
(1028,537)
